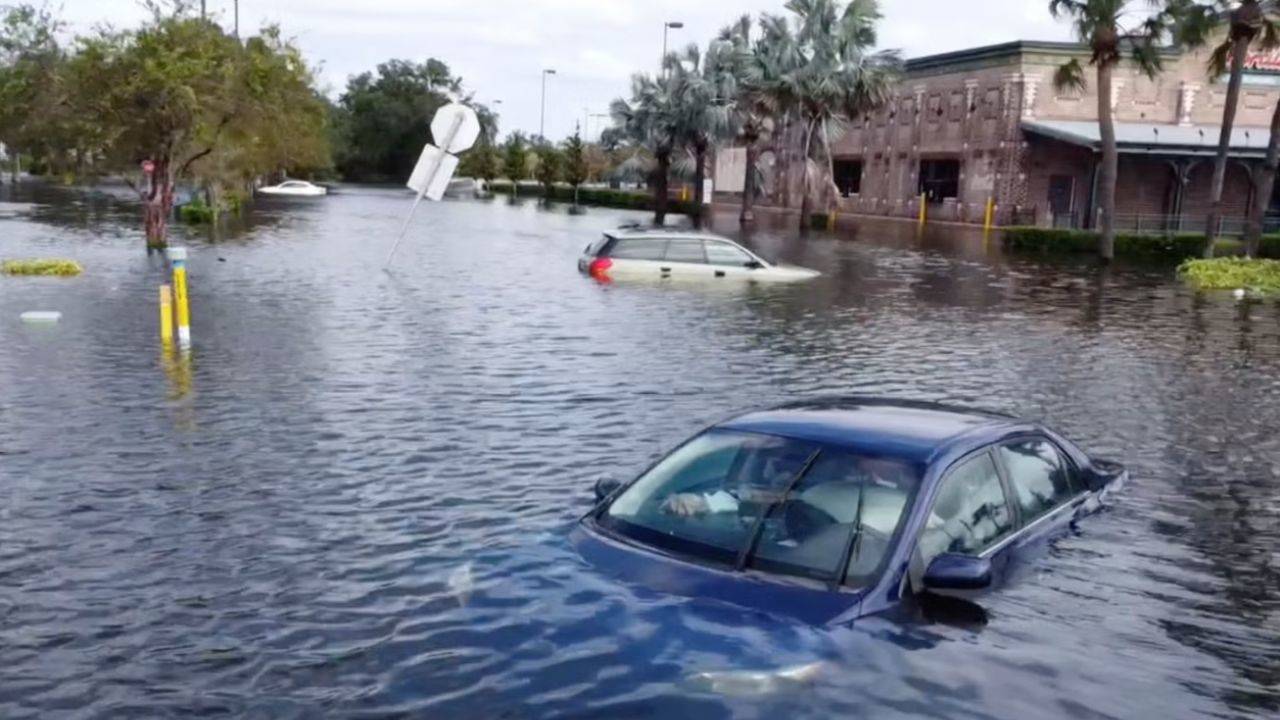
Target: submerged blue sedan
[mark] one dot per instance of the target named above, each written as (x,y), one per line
(834,509)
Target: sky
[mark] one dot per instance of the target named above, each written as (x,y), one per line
(500,47)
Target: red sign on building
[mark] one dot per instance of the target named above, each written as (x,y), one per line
(1268,61)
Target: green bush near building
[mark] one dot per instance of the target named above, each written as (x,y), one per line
(599,197)
(1175,247)
(196,212)
(1232,273)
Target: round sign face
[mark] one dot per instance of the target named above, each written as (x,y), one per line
(461,121)
(148,167)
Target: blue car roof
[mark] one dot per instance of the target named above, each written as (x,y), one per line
(910,430)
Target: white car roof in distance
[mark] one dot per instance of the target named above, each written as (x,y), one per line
(633,233)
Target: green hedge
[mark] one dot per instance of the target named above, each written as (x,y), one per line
(1259,276)
(1173,247)
(600,197)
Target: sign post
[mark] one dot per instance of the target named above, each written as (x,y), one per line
(456,128)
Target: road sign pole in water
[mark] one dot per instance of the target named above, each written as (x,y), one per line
(456,127)
(166,315)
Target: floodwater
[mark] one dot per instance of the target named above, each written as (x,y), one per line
(352,499)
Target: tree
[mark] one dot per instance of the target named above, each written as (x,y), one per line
(1100,24)
(550,168)
(704,91)
(1264,186)
(1247,22)
(650,121)
(575,164)
(754,65)
(387,117)
(30,58)
(827,73)
(480,162)
(515,161)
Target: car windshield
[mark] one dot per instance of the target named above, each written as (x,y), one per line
(774,504)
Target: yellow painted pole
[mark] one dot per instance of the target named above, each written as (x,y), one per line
(990,217)
(178,257)
(166,315)
(831,221)
(924,211)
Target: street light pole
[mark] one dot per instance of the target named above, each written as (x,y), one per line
(673,25)
(542,122)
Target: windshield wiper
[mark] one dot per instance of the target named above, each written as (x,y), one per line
(758,526)
(854,544)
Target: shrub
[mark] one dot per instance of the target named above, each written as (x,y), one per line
(602,197)
(196,212)
(42,266)
(1261,276)
(1172,247)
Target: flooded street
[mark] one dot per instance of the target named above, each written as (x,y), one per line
(353,498)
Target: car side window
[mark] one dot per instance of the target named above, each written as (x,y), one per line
(719,253)
(1040,478)
(970,512)
(639,249)
(685,251)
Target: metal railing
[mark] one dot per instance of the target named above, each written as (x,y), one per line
(1163,224)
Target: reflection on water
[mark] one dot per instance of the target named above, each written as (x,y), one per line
(352,496)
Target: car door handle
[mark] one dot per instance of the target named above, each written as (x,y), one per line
(665,270)
(719,273)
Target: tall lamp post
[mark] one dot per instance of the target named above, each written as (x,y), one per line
(599,116)
(669,25)
(542,121)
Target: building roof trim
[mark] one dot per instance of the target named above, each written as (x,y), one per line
(1153,138)
(1014,49)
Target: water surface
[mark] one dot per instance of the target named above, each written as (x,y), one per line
(352,498)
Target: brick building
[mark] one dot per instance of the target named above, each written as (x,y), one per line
(988,122)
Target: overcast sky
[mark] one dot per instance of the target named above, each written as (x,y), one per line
(499,47)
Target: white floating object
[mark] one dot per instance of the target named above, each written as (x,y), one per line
(41,316)
(1239,293)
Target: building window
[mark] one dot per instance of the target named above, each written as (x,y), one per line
(940,179)
(848,176)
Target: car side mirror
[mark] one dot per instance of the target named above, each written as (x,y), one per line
(958,572)
(605,487)
(753,264)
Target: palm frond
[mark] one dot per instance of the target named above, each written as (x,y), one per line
(1070,76)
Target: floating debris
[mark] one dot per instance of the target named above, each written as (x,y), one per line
(42,266)
(462,583)
(41,317)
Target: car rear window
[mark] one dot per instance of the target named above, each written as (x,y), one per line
(639,249)
(594,248)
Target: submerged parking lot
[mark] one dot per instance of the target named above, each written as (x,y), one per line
(353,497)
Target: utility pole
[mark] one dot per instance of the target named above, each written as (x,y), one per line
(237,14)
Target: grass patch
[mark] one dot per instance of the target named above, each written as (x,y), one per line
(1259,276)
(42,266)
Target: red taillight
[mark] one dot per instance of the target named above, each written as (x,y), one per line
(599,266)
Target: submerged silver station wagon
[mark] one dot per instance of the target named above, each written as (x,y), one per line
(658,253)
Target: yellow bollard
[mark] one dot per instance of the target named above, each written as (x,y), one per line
(990,217)
(924,208)
(178,257)
(831,222)
(166,315)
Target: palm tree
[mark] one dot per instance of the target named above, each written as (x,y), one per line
(751,62)
(1101,25)
(826,72)
(703,92)
(1263,186)
(650,120)
(1247,22)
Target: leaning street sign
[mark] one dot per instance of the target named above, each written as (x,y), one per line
(422,180)
(455,128)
